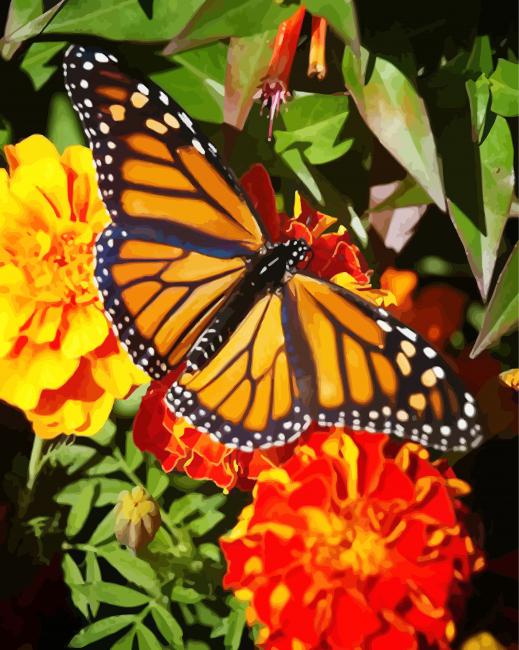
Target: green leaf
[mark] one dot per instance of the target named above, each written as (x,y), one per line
(295,161)
(236,625)
(132,454)
(114,594)
(93,576)
(73,456)
(480,59)
(63,127)
(481,242)
(80,509)
(206,616)
(104,20)
(167,625)
(393,110)
(73,578)
(196,81)
(205,523)
(106,434)
(109,490)
(313,124)
(127,408)
(407,193)
(210,551)
(213,502)
(341,16)
(147,640)
(104,530)
(503,308)
(186,595)
(157,481)
(125,642)
(197,645)
(5,134)
(37,59)
(106,465)
(185,506)
(504,85)
(100,630)
(71,493)
(479,94)
(131,567)
(248,60)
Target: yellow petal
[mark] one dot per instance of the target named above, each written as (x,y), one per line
(33,148)
(87,329)
(116,373)
(510,378)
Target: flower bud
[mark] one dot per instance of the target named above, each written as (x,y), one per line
(137,518)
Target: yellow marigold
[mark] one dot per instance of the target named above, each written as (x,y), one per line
(59,359)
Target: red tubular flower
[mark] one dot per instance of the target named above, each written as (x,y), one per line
(317,59)
(356,542)
(274,90)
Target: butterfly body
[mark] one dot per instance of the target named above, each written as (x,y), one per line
(187,273)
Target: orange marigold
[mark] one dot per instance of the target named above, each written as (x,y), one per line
(357,542)
(59,360)
(181,447)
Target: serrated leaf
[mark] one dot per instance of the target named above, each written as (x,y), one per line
(501,315)
(248,60)
(504,85)
(36,62)
(497,176)
(131,567)
(147,640)
(100,630)
(236,624)
(205,523)
(132,454)
(93,576)
(114,594)
(395,112)
(63,126)
(157,481)
(167,626)
(185,595)
(73,578)
(184,506)
(80,509)
(104,530)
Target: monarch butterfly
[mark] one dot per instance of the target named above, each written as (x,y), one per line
(187,274)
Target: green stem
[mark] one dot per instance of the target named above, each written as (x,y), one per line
(35,463)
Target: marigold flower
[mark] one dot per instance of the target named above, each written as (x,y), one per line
(357,542)
(59,360)
(137,518)
(181,447)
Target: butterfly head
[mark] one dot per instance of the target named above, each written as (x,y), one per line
(297,251)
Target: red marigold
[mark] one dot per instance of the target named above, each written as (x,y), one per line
(181,447)
(355,542)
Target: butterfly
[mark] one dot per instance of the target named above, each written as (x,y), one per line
(188,276)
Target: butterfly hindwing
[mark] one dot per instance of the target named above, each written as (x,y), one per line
(356,365)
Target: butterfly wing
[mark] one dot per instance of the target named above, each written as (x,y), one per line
(181,225)
(246,395)
(357,366)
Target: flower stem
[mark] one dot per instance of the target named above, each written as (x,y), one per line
(35,463)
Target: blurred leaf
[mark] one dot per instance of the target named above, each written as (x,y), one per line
(396,114)
(73,577)
(106,465)
(196,645)
(206,616)
(167,625)
(313,124)
(205,523)
(100,630)
(504,85)
(109,490)
(210,551)
(93,575)
(106,434)
(114,594)
(213,502)
(236,625)
(28,23)
(185,595)
(219,19)
(36,60)
(248,60)
(503,309)
(80,509)
(196,81)
(132,454)
(157,481)
(73,456)
(63,127)
(184,506)
(104,530)
(480,59)
(497,176)
(147,640)
(125,642)
(5,134)
(131,567)
(479,93)
(127,408)
(71,492)
(121,20)
(406,193)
